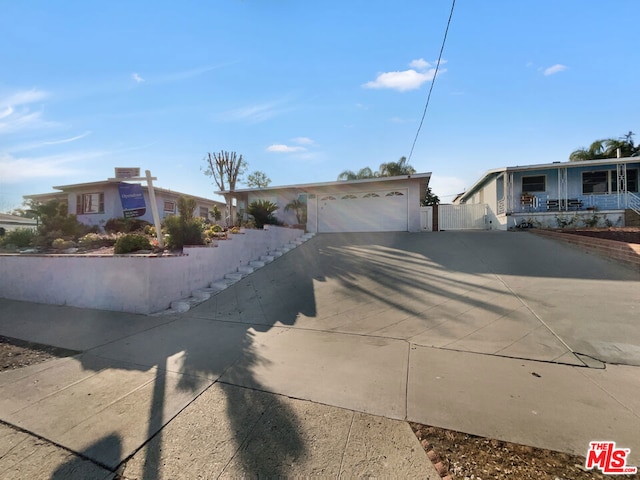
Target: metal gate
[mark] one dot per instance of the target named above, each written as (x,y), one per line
(462,217)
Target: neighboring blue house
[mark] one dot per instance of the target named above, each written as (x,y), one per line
(549,194)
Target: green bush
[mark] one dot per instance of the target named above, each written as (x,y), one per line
(183,232)
(61,244)
(91,240)
(125,225)
(20,238)
(262,212)
(131,242)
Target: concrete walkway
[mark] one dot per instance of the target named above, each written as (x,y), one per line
(309,365)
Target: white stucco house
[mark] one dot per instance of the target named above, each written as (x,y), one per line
(367,205)
(10,222)
(96,202)
(543,193)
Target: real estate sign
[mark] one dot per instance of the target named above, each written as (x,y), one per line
(132,200)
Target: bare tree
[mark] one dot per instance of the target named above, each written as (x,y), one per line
(226,168)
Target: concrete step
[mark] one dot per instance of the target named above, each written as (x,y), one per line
(245,269)
(221,285)
(202,294)
(236,276)
(267,258)
(257,263)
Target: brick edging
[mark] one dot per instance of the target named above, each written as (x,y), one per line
(622,252)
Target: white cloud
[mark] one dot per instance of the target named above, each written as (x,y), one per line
(420,64)
(23,98)
(406,80)
(16,113)
(281,148)
(558,67)
(256,113)
(137,78)
(17,169)
(303,141)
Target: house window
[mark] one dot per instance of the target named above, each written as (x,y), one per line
(90,203)
(534,184)
(349,197)
(596,182)
(329,197)
(632,181)
(394,194)
(371,195)
(204,212)
(169,207)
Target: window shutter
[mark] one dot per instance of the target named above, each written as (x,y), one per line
(78,204)
(101,206)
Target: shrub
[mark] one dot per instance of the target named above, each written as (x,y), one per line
(591,221)
(96,240)
(183,232)
(125,225)
(131,242)
(262,212)
(19,238)
(61,244)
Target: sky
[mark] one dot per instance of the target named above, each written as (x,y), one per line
(305,90)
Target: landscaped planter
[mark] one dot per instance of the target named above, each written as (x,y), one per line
(131,283)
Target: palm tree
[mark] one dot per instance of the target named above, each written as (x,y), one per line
(365,172)
(607,148)
(393,169)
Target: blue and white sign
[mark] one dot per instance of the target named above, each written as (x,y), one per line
(132,200)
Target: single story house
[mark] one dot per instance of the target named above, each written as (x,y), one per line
(96,202)
(549,194)
(367,205)
(13,222)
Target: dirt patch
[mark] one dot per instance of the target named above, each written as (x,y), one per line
(16,353)
(463,456)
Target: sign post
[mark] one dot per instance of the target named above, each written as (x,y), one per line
(154,208)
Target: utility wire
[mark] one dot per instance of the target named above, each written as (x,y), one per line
(433,80)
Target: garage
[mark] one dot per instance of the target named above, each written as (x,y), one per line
(364,211)
(378,204)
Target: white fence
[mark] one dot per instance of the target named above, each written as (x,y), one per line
(462,217)
(455,217)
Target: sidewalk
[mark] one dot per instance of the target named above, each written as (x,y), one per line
(90,413)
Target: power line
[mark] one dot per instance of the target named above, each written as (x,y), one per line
(433,80)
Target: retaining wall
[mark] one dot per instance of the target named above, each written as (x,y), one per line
(627,253)
(132,283)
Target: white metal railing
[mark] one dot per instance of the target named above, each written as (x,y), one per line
(501,206)
(633,202)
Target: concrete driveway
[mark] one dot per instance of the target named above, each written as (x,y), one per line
(488,333)
(506,294)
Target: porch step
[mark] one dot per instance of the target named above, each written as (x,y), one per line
(267,258)
(631,218)
(276,253)
(245,269)
(257,264)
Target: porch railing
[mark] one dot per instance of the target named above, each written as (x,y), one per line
(633,202)
(545,203)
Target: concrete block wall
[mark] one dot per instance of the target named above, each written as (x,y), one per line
(627,253)
(132,283)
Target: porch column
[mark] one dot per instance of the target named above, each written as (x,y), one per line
(563,193)
(509,189)
(621,184)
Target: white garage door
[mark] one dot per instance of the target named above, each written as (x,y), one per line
(379,211)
